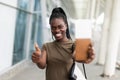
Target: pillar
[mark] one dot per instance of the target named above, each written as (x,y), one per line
(44,17)
(113,40)
(105,28)
(93,7)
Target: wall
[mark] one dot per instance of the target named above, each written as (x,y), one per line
(7,29)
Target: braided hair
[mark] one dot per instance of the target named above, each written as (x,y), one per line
(59,13)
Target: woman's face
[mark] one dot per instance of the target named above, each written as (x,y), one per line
(58,28)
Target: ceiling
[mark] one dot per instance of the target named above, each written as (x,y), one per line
(80,9)
(76,8)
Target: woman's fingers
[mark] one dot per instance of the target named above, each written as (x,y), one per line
(35,57)
(90,51)
(88,61)
(36,54)
(91,54)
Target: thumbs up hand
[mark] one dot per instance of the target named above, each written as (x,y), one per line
(36,54)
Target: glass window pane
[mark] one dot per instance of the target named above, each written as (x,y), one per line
(21,22)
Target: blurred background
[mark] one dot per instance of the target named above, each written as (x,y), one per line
(24,22)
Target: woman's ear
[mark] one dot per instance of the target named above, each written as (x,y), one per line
(66,26)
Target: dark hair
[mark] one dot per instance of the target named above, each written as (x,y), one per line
(58,12)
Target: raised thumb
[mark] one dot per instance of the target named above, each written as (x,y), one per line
(37,47)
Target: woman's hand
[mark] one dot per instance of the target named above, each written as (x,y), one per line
(39,57)
(91,54)
(36,54)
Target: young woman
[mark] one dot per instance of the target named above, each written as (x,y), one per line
(57,56)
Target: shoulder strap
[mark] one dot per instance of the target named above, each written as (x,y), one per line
(73,47)
(84,70)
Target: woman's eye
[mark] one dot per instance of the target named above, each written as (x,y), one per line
(53,28)
(60,27)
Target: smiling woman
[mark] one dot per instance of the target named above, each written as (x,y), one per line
(56,56)
(58,28)
(58,19)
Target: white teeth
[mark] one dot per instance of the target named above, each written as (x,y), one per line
(57,35)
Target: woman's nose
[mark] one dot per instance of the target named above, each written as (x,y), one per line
(57,30)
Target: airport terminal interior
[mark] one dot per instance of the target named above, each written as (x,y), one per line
(24,22)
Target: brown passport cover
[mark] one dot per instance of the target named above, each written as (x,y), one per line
(81,47)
